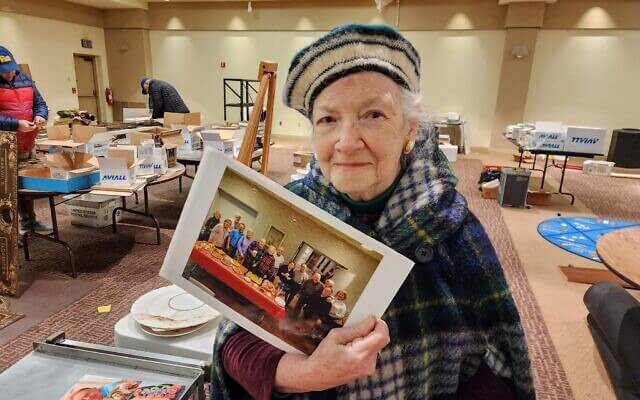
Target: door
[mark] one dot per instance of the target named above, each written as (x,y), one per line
(87,84)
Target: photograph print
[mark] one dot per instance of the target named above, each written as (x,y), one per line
(281,271)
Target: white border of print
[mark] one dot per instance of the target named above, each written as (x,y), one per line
(375,298)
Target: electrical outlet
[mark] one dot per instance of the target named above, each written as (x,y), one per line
(223,64)
(280,123)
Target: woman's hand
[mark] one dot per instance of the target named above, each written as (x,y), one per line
(344,355)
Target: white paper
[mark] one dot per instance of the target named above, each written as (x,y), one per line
(371,291)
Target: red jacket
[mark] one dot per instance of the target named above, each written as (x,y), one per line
(19,99)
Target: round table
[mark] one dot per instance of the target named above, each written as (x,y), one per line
(620,252)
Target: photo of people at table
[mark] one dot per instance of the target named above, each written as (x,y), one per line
(278,266)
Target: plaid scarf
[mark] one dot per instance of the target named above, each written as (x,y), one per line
(453,312)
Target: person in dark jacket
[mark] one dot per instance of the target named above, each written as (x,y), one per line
(163,97)
(208,226)
(22,110)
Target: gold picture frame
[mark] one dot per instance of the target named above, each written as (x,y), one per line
(8,214)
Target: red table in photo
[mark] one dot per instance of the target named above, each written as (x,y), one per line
(235,281)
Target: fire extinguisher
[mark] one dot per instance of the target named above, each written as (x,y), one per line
(108,93)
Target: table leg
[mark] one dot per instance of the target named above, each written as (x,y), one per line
(146,200)
(54,219)
(564,168)
(74,273)
(143,214)
(520,159)
(180,181)
(535,157)
(544,171)
(25,245)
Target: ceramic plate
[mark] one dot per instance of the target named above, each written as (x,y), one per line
(170,333)
(171,308)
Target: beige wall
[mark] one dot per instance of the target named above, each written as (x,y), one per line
(460,71)
(48,46)
(298,227)
(514,85)
(323,15)
(129,60)
(58,10)
(586,78)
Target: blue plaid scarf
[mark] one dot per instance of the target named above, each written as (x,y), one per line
(453,312)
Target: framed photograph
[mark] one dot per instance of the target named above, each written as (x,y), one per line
(274,236)
(329,275)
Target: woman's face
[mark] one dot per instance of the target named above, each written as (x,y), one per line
(359,133)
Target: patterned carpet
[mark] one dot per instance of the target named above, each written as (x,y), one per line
(130,269)
(550,379)
(620,200)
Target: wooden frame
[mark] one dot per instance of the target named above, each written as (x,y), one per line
(267,76)
(8,214)
(277,233)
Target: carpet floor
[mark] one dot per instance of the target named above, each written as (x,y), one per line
(619,200)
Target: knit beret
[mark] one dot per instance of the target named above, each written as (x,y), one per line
(345,50)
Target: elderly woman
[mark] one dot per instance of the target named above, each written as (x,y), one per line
(452,331)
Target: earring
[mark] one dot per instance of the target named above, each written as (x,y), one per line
(408,147)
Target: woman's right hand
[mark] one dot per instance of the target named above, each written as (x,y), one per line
(344,355)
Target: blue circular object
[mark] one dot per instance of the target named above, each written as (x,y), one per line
(578,235)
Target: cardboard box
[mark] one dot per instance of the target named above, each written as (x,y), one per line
(450,151)
(191,138)
(182,119)
(172,155)
(66,166)
(583,139)
(92,210)
(40,179)
(89,139)
(173,136)
(489,192)
(302,158)
(119,167)
(212,139)
(145,165)
(548,136)
(538,198)
(595,167)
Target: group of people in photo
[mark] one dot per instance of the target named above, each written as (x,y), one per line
(310,295)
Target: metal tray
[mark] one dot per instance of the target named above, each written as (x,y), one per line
(54,366)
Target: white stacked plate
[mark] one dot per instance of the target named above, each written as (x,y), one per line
(170,312)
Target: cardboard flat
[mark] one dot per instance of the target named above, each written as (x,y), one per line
(183,119)
(83,133)
(58,132)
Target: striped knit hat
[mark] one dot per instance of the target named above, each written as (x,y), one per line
(345,50)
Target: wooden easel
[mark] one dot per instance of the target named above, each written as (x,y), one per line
(267,77)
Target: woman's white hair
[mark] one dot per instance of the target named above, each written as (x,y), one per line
(412,107)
